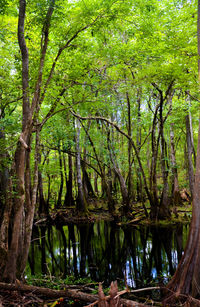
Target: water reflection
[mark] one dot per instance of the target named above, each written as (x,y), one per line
(106,252)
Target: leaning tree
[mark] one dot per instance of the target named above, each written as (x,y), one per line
(39,78)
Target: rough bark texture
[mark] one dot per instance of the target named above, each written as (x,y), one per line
(186,280)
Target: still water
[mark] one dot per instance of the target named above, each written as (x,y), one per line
(105,252)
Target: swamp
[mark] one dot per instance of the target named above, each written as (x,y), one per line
(99,153)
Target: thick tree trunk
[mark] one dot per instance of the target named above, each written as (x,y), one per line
(23,204)
(88,185)
(186,280)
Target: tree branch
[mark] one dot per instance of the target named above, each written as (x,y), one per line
(60,52)
(128,137)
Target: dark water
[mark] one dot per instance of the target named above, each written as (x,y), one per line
(104,252)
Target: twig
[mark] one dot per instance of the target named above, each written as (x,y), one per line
(122,292)
(145,289)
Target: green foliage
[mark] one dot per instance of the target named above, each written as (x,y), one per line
(57,283)
(110,49)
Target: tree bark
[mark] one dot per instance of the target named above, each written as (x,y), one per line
(129,179)
(189,155)
(176,197)
(124,190)
(186,280)
(69,200)
(23,204)
(81,204)
(59,201)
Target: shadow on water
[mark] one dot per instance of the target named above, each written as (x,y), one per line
(105,252)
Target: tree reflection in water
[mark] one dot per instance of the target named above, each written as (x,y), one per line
(106,252)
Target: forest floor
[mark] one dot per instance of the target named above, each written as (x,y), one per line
(88,294)
(98,211)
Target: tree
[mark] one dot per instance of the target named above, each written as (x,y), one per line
(186,279)
(46,76)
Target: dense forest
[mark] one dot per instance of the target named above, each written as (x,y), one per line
(99,106)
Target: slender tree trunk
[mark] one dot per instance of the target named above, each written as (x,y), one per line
(189,154)
(59,201)
(96,184)
(124,190)
(164,211)
(43,206)
(176,197)
(129,179)
(69,200)
(81,204)
(153,171)
(138,142)
(105,183)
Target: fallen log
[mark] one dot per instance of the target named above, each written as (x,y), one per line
(68,293)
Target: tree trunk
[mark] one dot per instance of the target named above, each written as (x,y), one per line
(69,200)
(176,197)
(105,183)
(96,184)
(59,201)
(138,142)
(153,173)
(81,204)
(129,179)
(189,154)
(88,184)
(186,280)
(23,204)
(43,206)
(124,190)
